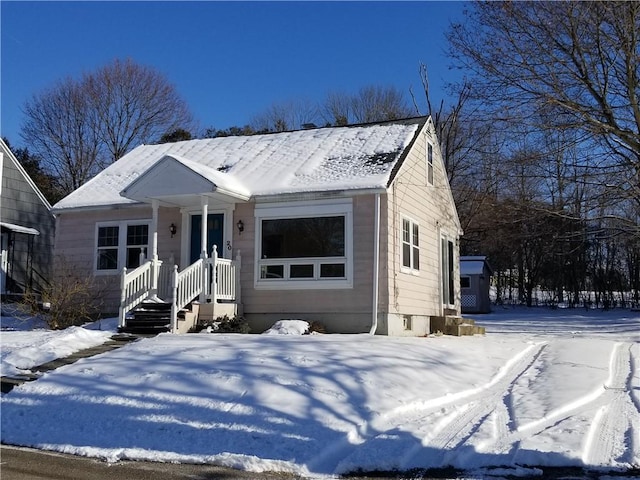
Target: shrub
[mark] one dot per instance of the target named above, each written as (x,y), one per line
(226,325)
(72,298)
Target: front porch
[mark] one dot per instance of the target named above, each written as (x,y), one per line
(156,297)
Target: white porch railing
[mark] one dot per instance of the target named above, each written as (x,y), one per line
(211,279)
(186,285)
(135,286)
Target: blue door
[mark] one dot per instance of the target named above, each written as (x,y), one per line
(215,234)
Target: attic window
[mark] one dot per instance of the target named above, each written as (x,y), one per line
(429,164)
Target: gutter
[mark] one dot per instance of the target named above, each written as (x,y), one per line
(376,265)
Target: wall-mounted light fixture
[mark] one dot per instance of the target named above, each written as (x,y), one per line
(172,229)
(240,226)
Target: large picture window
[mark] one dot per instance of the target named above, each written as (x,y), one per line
(120,245)
(304,247)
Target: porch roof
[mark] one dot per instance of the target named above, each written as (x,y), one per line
(315,160)
(19,228)
(178,181)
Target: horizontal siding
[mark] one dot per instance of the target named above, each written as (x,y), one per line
(432,208)
(21,205)
(75,245)
(356,300)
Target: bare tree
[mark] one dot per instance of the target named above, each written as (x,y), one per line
(60,127)
(284,116)
(134,104)
(578,60)
(79,126)
(375,104)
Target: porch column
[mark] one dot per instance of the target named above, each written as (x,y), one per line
(155,267)
(203,251)
(155,204)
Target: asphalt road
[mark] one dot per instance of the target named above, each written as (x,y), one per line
(29,464)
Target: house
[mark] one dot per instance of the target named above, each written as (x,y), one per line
(475,280)
(354,227)
(26,230)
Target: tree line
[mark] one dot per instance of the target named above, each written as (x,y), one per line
(541,145)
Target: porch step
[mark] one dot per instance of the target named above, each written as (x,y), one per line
(455,325)
(148,317)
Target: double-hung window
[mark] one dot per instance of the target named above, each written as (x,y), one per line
(410,245)
(429,163)
(304,245)
(119,244)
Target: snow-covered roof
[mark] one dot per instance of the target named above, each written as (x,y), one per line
(19,228)
(323,159)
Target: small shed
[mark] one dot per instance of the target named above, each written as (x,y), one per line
(475,280)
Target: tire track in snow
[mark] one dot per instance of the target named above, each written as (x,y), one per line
(461,409)
(492,403)
(612,427)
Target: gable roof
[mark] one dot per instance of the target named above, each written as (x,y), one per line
(323,159)
(6,151)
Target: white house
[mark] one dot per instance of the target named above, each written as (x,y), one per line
(354,227)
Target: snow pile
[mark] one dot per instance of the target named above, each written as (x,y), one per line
(288,327)
(23,350)
(321,405)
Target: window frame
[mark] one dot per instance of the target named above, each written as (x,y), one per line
(293,210)
(448,271)
(414,248)
(430,173)
(121,247)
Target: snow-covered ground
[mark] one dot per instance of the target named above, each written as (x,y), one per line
(542,388)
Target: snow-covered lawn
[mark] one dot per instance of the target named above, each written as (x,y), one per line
(542,388)
(27,343)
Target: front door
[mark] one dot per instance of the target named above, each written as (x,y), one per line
(215,234)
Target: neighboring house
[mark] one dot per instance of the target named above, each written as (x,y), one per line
(26,230)
(354,227)
(475,281)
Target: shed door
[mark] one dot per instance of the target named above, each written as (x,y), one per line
(215,234)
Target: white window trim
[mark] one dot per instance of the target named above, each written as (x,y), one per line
(324,208)
(445,275)
(122,243)
(403,268)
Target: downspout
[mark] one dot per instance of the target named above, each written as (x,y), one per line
(376,265)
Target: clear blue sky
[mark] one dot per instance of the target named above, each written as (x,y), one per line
(229,60)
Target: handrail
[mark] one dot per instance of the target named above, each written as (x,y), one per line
(188,284)
(134,288)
